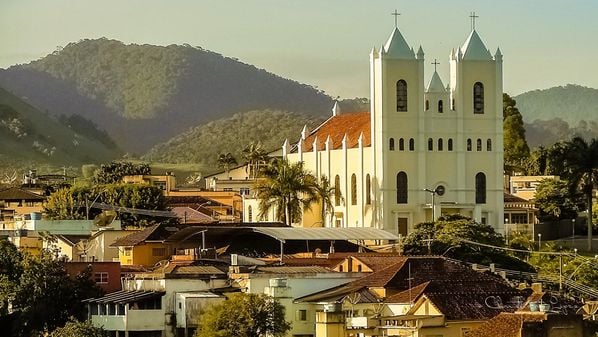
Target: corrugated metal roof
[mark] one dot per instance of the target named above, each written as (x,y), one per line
(122,296)
(282,233)
(294,270)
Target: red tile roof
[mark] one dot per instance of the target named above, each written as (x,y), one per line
(16,193)
(351,124)
(505,325)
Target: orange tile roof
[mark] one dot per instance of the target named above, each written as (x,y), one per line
(351,124)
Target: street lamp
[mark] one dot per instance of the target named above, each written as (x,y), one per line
(539,241)
(507,229)
(438,190)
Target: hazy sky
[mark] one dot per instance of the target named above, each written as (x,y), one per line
(324,43)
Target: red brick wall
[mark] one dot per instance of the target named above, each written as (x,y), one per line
(106,274)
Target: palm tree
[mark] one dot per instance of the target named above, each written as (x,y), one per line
(226,160)
(325,193)
(288,187)
(581,163)
(255,157)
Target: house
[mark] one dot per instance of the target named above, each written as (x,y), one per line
(413,296)
(156,303)
(525,186)
(145,247)
(107,275)
(21,201)
(532,324)
(520,216)
(420,152)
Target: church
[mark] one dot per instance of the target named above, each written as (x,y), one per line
(422,151)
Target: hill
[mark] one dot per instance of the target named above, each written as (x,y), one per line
(144,94)
(31,137)
(202,144)
(571,103)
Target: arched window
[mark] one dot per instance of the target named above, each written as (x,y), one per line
(478,98)
(440,144)
(368,190)
(453,104)
(249,214)
(401,188)
(391,144)
(468,144)
(427,105)
(450,144)
(489,145)
(353,189)
(479,145)
(337,190)
(430,144)
(401,95)
(440,106)
(480,188)
(401,144)
(411,144)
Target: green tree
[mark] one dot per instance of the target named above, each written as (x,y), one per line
(114,172)
(244,315)
(11,270)
(324,194)
(581,163)
(555,201)
(288,187)
(445,237)
(74,328)
(225,161)
(516,150)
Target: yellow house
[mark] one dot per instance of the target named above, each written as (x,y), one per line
(146,247)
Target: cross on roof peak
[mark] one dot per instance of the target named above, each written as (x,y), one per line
(473,17)
(435,63)
(396,15)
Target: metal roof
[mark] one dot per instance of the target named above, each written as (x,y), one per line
(285,233)
(121,297)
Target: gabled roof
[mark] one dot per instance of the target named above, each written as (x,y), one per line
(474,48)
(435,84)
(350,124)
(397,47)
(190,215)
(16,193)
(505,325)
(157,232)
(72,240)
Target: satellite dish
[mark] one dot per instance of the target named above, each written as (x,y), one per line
(104,219)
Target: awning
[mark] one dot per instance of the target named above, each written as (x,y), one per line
(121,297)
(318,233)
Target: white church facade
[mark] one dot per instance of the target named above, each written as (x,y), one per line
(421,151)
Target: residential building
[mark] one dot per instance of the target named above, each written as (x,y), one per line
(146,247)
(525,186)
(107,275)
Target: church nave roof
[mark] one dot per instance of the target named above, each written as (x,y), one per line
(350,124)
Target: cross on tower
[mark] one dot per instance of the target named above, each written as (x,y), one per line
(396,15)
(473,17)
(435,63)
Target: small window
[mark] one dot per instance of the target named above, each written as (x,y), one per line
(391,144)
(469,145)
(489,145)
(302,315)
(430,144)
(127,251)
(337,190)
(158,251)
(368,190)
(450,144)
(453,105)
(411,144)
(440,107)
(402,188)
(353,189)
(478,98)
(402,96)
(479,145)
(480,188)
(249,214)
(440,145)
(101,277)
(427,105)
(401,144)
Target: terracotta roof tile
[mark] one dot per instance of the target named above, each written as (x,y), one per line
(351,124)
(15,193)
(505,325)
(153,233)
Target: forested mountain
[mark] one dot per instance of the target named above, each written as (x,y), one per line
(559,113)
(571,103)
(144,94)
(202,144)
(30,137)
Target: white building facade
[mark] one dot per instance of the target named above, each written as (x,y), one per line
(447,140)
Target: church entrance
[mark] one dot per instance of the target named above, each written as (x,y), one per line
(402,226)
